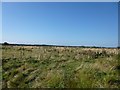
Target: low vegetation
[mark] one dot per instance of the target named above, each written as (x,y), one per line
(59,67)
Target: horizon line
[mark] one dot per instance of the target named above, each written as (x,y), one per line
(58,45)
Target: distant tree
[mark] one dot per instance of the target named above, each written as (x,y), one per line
(118,47)
(82,46)
(5,43)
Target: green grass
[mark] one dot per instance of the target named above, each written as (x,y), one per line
(59,67)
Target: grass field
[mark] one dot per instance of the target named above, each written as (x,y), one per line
(59,67)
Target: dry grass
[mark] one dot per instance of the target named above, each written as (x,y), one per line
(59,67)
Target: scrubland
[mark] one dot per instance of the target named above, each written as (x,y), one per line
(59,67)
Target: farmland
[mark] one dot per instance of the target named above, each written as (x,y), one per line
(59,67)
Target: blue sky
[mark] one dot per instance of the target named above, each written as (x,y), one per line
(88,24)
